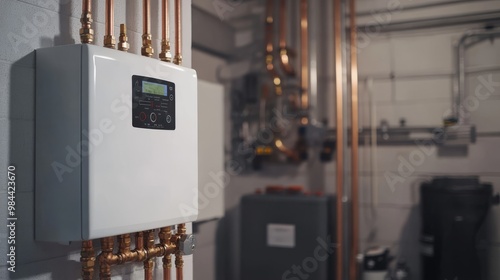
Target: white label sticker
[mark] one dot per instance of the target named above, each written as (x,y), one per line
(280,235)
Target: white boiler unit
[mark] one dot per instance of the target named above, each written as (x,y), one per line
(116,143)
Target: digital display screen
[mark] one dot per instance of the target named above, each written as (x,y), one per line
(154,88)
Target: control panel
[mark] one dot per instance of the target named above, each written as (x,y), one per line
(153,103)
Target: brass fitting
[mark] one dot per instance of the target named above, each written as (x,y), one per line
(139,247)
(178,59)
(179,261)
(106,258)
(87,259)
(124,253)
(86,31)
(165,240)
(147,47)
(123,44)
(149,243)
(165,54)
(109,41)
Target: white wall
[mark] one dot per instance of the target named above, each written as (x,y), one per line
(26,25)
(412,75)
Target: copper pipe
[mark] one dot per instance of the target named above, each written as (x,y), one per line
(178,33)
(147,47)
(285,53)
(179,262)
(124,252)
(109,37)
(149,243)
(123,44)
(165,239)
(337,16)
(86,31)
(87,259)
(270,49)
(165,54)
(269,26)
(304,59)
(353,268)
(282,42)
(106,258)
(139,246)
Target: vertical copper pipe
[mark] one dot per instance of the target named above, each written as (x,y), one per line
(86,31)
(109,38)
(165,238)
(87,259)
(178,33)
(165,54)
(146,17)
(107,246)
(282,42)
(179,262)
(337,17)
(269,26)
(304,59)
(147,47)
(270,48)
(285,62)
(353,268)
(149,243)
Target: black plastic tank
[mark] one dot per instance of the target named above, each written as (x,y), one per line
(453,211)
(286,235)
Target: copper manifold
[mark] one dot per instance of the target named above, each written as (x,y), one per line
(145,251)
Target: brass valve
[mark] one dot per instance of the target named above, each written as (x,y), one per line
(86,31)
(147,46)
(123,44)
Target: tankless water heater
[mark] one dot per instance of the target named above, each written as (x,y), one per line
(116,143)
